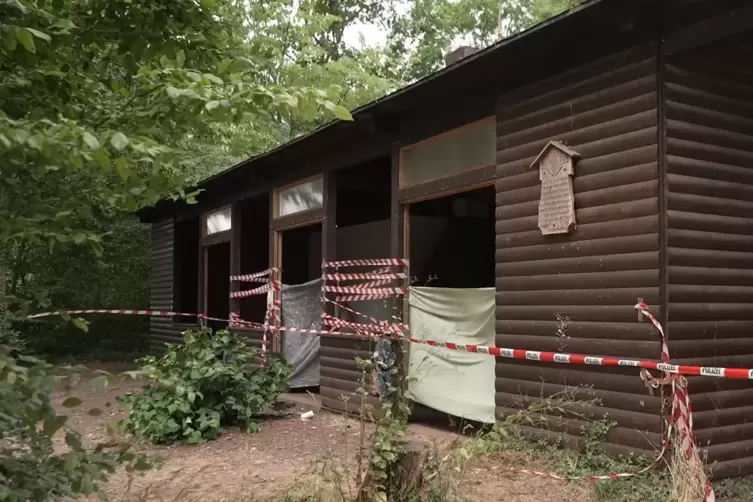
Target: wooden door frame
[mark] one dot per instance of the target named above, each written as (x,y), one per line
(204,274)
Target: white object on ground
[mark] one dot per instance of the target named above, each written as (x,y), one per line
(307,416)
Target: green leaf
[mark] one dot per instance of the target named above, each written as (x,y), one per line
(96,412)
(341,113)
(39,34)
(211,105)
(70,462)
(207,4)
(72,402)
(180,59)
(121,166)
(51,425)
(102,158)
(26,39)
(90,141)
(119,140)
(87,488)
(174,92)
(81,324)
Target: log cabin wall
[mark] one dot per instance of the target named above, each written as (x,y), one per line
(608,112)
(161,329)
(709,136)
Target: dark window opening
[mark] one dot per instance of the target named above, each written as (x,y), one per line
(186,271)
(254,252)
(452,240)
(218,283)
(363,211)
(301,254)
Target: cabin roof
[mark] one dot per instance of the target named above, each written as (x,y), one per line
(594,29)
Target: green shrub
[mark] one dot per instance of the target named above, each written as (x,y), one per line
(201,386)
(29,468)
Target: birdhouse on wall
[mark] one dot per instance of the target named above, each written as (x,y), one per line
(556,164)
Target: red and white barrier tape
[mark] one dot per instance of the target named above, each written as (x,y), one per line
(255,277)
(366,276)
(530,355)
(150,313)
(390,262)
(380,325)
(251,292)
(355,290)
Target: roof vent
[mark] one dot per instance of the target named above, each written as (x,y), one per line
(458,54)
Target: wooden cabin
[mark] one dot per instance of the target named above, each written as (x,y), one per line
(651,104)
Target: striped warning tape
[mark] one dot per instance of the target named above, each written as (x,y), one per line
(392,262)
(383,325)
(251,292)
(530,355)
(365,276)
(555,357)
(353,290)
(255,277)
(150,313)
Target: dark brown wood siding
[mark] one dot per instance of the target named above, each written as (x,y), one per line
(340,375)
(709,117)
(608,112)
(161,329)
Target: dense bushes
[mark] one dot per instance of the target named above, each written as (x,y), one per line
(29,467)
(201,386)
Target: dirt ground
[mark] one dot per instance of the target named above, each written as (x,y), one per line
(264,466)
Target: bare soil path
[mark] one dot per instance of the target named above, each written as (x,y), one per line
(264,466)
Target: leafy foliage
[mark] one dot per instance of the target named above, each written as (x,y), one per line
(421,37)
(29,467)
(201,386)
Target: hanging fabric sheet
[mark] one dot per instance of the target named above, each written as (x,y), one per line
(301,308)
(458,383)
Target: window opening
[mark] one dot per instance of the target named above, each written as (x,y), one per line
(218,221)
(462,149)
(303,196)
(452,240)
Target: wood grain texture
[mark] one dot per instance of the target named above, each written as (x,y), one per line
(162,330)
(608,113)
(710,242)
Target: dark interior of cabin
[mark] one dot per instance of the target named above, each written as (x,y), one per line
(218,283)
(186,269)
(254,251)
(452,240)
(301,254)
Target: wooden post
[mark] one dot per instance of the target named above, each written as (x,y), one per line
(329,227)
(275,261)
(398,240)
(235,253)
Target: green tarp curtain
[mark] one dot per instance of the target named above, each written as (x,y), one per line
(454,382)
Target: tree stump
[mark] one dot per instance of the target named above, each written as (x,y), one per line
(406,475)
